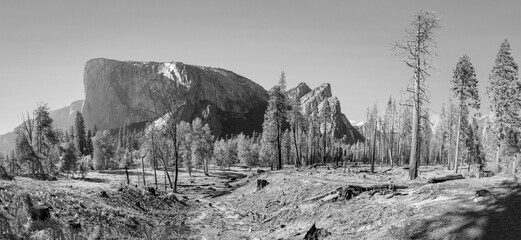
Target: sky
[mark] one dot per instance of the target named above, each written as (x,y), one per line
(45,44)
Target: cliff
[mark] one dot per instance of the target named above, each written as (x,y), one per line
(312,102)
(118,93)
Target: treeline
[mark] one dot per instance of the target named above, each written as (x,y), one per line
(42,149)
(289,137)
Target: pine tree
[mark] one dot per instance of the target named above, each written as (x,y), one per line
(89,148)
(274,118)
(505,96)
(465,89)
(70,159)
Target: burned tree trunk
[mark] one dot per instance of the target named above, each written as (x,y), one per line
(261,183)
(446,178)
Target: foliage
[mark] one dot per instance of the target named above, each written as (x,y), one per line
(80,137)
(247,151)
(104,150)
(69,159)
(465,89)
(272,128)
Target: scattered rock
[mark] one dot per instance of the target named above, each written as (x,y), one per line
(259,171)
(483,197)
(104,194)
(482,193)
(40,213)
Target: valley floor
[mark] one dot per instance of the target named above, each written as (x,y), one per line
(227,205)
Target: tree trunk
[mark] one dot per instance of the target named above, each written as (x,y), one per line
(495,165)
(176,149)
(450,142)
(126,172)
(414,161)
(374,149)
(468,161)
(297,159)
(167,174)
(457,142)
(325,142)
(143,168)
(279,146)
(154,161)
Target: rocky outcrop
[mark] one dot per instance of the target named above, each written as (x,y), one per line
(64,117)
(300,90)
(313,101)
(7,142)
(118,93)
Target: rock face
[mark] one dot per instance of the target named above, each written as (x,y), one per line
(312,102)
(64,117)
(118,93)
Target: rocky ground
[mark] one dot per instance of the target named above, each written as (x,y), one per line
(228,205)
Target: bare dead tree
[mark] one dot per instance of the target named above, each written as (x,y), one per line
(25,144)
(417,51)
(171,99)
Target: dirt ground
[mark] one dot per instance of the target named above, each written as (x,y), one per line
(227,205)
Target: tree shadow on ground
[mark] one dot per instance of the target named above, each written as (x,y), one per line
(94,180)
(228,175)
(122,172)
(498,220)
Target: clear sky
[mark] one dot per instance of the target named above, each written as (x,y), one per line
(44,44)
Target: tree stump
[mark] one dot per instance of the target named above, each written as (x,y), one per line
(152,191)
(346,193)
(40,213)
(104,194)
(261,183)
(315,233)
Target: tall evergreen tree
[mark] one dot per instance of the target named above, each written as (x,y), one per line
(274,118)
(465,89)
(505,96)
(88,144)
(80,138)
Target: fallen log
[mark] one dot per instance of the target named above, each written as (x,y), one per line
(331,197)
(350,191)
(446,178)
